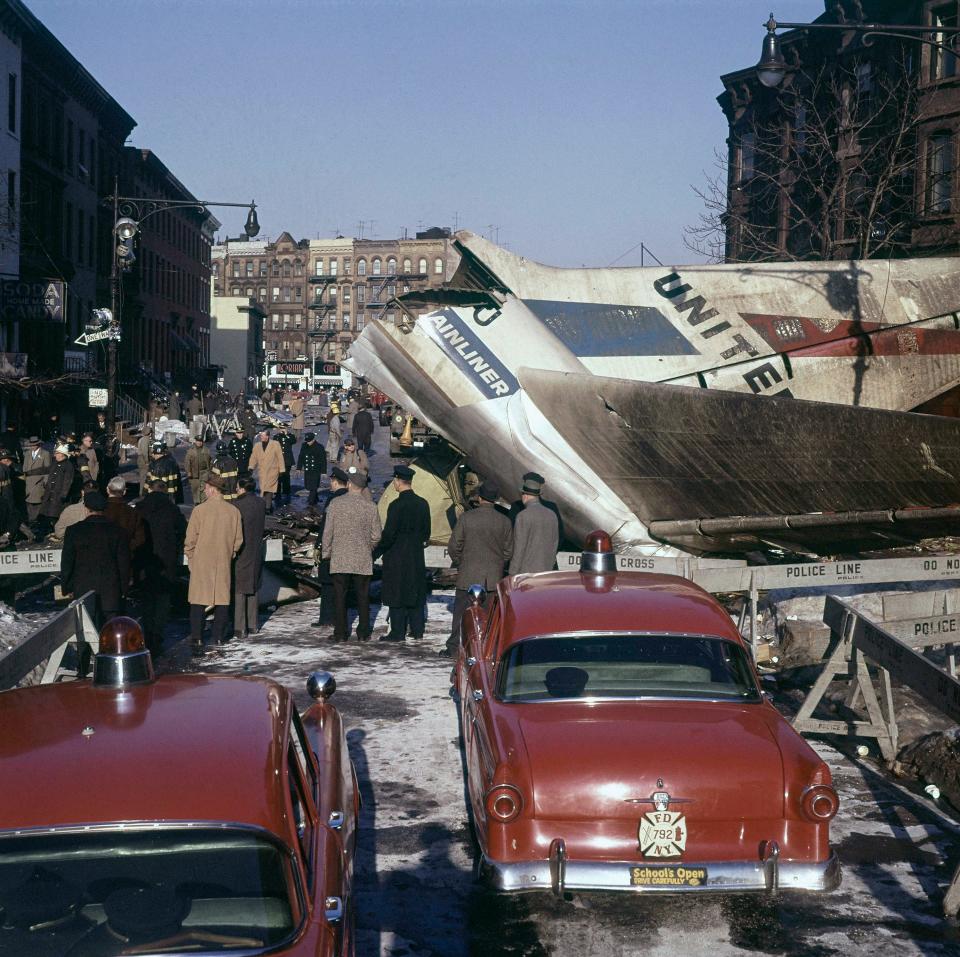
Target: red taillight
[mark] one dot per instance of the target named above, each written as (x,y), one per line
(819,803)
(504,803)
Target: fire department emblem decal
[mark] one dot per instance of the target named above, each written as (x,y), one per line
(663,834)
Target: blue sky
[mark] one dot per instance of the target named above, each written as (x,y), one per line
(571,131)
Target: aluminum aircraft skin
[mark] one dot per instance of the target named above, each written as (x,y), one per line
(679,395)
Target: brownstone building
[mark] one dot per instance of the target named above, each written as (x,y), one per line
(855,153)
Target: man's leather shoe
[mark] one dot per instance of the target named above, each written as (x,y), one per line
(391,638)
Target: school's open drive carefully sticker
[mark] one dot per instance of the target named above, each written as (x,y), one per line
(668,875)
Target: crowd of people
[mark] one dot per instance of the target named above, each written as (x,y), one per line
(131,554)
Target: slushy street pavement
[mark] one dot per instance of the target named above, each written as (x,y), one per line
(415,892)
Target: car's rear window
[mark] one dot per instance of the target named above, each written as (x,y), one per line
(625,666)
(168,890)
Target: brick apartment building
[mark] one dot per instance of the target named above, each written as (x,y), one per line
(318,294)
(855,153)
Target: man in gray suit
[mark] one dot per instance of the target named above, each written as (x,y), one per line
(536,533)
(480,546)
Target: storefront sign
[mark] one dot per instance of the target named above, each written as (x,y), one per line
(40,301)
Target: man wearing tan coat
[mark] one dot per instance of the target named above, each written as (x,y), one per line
(351,531)
(214,536)
(267,460)
(296,406)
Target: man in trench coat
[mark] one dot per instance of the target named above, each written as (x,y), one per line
(214,536)
(296,406)
(248,568)
(405,532)
(36,465)
(267,460)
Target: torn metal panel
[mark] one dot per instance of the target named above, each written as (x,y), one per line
(865,336)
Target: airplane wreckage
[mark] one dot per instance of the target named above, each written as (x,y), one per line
(707,409)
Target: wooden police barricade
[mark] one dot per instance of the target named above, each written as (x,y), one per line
(74,625)
(859,639)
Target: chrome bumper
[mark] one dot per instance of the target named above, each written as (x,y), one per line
(561,874)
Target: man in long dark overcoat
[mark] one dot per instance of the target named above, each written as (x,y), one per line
(163,559)
(404,583)
(363,429)
(96,557)
(248,565)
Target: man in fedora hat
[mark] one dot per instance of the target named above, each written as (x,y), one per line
(517,507)
(36,465)
(405,533)
(214,536)
(479,548)
(351,531)
(536,533)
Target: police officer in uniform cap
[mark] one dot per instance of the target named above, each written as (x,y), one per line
(225,465)
(312,461)
(241,448)
(286,440)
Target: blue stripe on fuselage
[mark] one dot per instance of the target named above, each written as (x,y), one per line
(601,329)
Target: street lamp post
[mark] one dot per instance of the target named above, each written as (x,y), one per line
(128,213)
(773,66)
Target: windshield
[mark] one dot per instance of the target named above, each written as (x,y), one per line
(626,666)
(171,890)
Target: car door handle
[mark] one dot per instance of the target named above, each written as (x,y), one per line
(333,909)
(336,820)
(477,694)
(471,661)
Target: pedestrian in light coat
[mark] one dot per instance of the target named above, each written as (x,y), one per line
(405,533)
(334,433)
(143,456)
(351,531)
(296,406)
(536,534)
(196,464)
(36,466)
(480,547)
(214,536)
(353,407)
(352,457)
(267,462)
(248,567)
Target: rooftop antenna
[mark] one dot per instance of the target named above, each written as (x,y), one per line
(360,227)
(456,221)
(372,223)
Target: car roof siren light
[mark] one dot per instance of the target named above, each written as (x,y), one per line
(597,557)
(122,658)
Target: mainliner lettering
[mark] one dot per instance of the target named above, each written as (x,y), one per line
(473,359)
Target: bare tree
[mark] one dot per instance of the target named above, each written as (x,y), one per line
(821,169)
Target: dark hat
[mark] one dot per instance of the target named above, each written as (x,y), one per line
(158,447)
(222,446)
(198,438)
(308,436)
(5,453)
(489,491)
(531,486)
(339,474)
(535,476)
(95,501)
(403,472)
(215,481)
(358,478)
(239,428)
(349,440)
(34,440)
